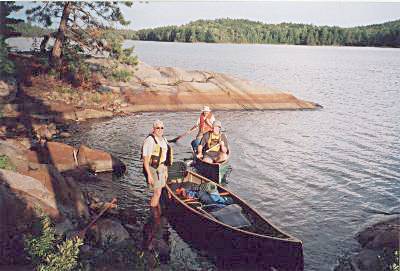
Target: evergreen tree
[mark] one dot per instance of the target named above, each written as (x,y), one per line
(245,31)
(7,30)
(81,23)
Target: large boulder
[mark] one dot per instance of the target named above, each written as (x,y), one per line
(61,155)
(67,193)
(99,161)
(22,200)
(378,244)
(107,231)
(382,235)
(27,192)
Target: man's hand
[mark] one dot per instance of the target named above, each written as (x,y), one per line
(166,173)
(200,155)
(150,179)
(223,148)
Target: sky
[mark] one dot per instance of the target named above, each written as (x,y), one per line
(149,14)
(339,13)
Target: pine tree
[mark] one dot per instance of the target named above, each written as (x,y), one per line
(81,23)
(7,30)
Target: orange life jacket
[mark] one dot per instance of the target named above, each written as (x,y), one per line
(204,126)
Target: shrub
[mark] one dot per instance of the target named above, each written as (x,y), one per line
(5,163)
(50,253)
(396,265)
(7,67)
(121,75)
(117,53)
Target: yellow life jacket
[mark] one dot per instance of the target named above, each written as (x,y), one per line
(155,158)
(212,141)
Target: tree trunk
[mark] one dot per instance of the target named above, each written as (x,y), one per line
(56,52)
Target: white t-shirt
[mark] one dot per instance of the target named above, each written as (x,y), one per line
(148,147)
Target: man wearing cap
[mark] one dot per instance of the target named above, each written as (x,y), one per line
(213,147)
(154,154)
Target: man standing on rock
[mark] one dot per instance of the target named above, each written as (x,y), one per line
(154,152)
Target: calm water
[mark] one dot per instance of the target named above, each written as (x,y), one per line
(320,175)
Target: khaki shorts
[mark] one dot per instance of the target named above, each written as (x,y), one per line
(158,177)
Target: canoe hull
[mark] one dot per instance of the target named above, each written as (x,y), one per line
(231,244)
(236,248)
(215,172)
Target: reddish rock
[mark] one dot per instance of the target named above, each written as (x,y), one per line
(98,161)
(61,155)
(65,190)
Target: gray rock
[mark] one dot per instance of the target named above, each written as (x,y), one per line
(63,227)
(107,232)
(367,260)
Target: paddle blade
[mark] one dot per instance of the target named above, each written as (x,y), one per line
(174,140)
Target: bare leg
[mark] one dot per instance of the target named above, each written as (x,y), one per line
(155,199)
(207,159)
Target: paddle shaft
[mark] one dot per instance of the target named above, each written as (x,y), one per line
(212,147)
(107,206)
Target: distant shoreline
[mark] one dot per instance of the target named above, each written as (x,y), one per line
(241,31)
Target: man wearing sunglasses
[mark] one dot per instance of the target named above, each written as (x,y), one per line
(154,154)
(214,145)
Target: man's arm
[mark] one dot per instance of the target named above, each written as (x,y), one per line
(224,144)
(210,120)
(148,146)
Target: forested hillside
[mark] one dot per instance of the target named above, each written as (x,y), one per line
(245,31)
(29,30)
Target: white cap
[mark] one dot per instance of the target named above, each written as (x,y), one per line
(217,123)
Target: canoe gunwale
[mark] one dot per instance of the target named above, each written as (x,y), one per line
(242,203)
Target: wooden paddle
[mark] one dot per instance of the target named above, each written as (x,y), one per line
(81,234)
(174,140)
(212,147)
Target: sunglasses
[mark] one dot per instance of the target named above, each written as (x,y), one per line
(162,128)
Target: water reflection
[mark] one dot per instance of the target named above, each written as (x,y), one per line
(156,245)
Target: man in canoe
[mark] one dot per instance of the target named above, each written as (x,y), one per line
(213,147)
(204,124)
(154,153)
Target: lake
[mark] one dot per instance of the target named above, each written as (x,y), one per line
(321,175)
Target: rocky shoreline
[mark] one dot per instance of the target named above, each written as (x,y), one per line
(378,242)
(46,175)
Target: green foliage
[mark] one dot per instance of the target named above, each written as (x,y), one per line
(74,60)
(29,30)
(121,75)
(122,55)
(6,23)
(49,253)
(80,22)
(66,257)
(246,31)
(396,265)
(7,30)
(5,163)
(7,67)
(65,89)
